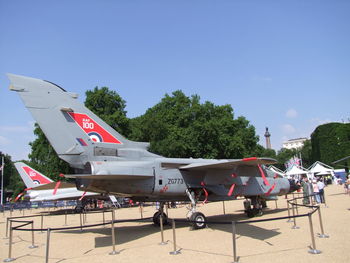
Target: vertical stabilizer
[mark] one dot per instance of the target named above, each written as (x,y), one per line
(76,133)
(30,176)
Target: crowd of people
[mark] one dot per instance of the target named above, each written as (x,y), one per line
(314,188)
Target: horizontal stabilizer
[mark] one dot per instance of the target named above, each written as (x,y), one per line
(226,164)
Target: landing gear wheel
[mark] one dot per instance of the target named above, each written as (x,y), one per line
(257,212)
(250,213)
(156,218)
(201,221)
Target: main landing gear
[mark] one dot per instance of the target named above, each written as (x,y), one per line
(160,213)
(254,206)
(198,220)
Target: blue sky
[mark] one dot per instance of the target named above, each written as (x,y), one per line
(281,64)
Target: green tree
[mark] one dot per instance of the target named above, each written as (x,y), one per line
(12,180)
(330,142)
(283,156)
(306,154)
(110,107)
(180,126)
(44,158)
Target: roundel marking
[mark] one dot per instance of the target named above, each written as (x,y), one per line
(36,182)
(94,136)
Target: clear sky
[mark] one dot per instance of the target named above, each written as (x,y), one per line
(281,64)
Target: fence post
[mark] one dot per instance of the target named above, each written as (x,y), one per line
(103,217)
(175,252)
(141,210)
(223,207)
(42,223)
(114,252)
(47,245)
(65,218)
(313,249)
(81,223)
(161,230)
(289,219)
(7,228)
(294,221)
(296,206)
(9,259)
(235,258)
(33,246)
(322,235)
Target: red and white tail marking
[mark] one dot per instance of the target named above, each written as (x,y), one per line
(36,177)
(93,129)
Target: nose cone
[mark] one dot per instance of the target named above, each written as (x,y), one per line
(293,186)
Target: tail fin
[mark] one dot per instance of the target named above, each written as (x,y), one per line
(76,133)
(31,177)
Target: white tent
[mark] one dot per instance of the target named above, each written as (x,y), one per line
(296,171)
(319,168)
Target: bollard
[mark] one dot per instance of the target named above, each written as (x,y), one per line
(81,223)
(141,210)
(103,217)
(289,219)
(85,220)
(276,204)
(114,252)
(313,249)
(7,228)
(175,252)
(47,245)
(161,230)
(294,221)
(322,235)
(65,218)
(223,207)
(33,246)
(42,223)
(9,259)
(235,258)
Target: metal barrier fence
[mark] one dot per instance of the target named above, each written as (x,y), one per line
(83,218)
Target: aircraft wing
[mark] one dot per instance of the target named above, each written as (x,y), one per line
(227,165)
(53,185)
(108,176)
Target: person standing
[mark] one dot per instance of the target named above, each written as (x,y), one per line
(307,190)
(316,191)
(321,186)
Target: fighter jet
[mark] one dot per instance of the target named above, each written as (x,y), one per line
(42,188)
(107,162)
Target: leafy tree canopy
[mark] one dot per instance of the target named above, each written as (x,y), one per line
(12,180)
(180,126)
(44,158)
(330,142)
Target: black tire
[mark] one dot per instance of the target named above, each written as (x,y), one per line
(201,221)
(156,218)
(250,213)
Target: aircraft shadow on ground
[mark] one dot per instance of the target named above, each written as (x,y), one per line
(126,234)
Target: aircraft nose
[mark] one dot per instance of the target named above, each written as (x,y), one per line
(293,186)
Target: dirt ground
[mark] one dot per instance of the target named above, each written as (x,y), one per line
(272,241)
